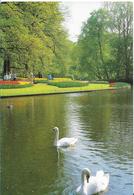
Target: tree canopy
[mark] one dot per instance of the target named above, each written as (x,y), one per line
(33,39)
(105,43)
(31,35)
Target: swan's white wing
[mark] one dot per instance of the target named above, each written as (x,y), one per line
(100,174)
(102,180)
(89,188)
(73,140)
(92,187)
(96,184)
(64,142)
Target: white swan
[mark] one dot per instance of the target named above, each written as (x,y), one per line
(64,142)
(92,184)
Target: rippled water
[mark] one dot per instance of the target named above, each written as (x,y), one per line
(102,121)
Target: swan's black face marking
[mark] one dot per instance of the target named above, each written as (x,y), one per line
(88,176)
(55,129)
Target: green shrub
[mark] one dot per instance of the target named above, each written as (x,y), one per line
(68,84)
(14,86)
(40,81)
(121,84)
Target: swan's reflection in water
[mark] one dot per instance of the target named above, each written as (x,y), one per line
(61,151)
(69,191)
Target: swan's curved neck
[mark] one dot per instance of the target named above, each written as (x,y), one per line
(83,178)
(56,138)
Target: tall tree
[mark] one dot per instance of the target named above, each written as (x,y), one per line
(121,24)
(94,46)
(105,43)
(31,35)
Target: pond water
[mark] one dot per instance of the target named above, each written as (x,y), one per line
(102,122)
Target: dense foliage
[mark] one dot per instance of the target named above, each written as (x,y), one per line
(105,44)
(33,40)
(32,37)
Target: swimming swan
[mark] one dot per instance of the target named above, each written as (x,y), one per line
(64,142)
(92,184)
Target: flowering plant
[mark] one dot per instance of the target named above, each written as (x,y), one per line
(3,82)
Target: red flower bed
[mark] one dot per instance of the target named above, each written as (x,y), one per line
(8,82)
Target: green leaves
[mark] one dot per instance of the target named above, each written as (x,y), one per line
(105,43)
(31,34)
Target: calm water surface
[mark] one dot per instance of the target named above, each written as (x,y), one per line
(102,121)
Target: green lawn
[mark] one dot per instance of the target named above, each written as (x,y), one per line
(48,89)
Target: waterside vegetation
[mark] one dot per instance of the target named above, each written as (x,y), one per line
(34,40)
(35,45)
(58,88)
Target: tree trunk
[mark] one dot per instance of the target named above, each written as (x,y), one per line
(6,66)
(101,57)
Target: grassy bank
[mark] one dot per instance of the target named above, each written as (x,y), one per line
(42,88)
